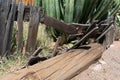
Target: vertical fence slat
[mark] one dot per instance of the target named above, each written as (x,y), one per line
(33,29)
(20,25)
(9,27)
(4,9)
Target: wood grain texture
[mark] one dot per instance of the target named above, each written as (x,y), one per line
(4,10)
(33,29)
(20,26)
(9,28)
(61,67)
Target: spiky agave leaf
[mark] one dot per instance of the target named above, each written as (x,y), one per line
(52,9)
(79,11)
(37,3)
(115,8)
(69,10)
(103,9)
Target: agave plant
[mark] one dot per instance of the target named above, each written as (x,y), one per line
(78,11)
(38,3)
(118,19)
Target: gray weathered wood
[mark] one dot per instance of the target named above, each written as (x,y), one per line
(4,9)
(70,29)
(56,46)
(109,37)
(33,29)
(9,27)
(20,26)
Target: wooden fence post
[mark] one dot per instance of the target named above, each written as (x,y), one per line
(20,26)
(9,27)
(33,29)
(4,9)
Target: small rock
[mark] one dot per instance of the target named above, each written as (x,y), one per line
(97,67)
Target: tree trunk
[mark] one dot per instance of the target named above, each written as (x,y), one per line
(61,67)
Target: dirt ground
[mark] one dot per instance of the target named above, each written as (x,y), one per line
(107,68)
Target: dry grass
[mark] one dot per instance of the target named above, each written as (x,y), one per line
(17,60)
(12,63)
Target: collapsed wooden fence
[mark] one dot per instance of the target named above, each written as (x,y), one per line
(9,13)
(66,65)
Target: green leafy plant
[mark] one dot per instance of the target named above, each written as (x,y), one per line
(79,11)
(118,19)
(12,63)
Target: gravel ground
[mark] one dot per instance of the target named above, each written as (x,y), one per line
(107,68)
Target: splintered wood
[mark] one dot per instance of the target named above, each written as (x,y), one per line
(61,67)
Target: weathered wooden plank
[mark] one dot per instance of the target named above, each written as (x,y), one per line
(9,27)
(33,29)
(60,25)
(4,9)
(20,26)
(110,33)
(117,33)
(109,37)
(61,67)
(56,46)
